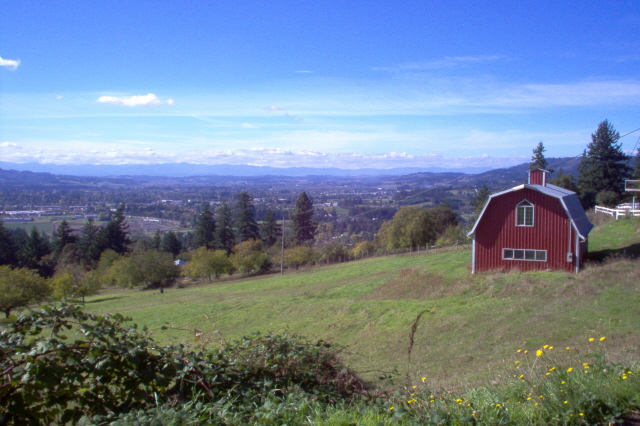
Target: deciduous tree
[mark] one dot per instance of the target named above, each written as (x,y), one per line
(206,262)
(20,287)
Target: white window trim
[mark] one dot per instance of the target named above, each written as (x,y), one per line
(525,259)
(533,213)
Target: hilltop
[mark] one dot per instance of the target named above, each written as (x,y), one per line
(472,328)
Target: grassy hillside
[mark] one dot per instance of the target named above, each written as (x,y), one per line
(472,329)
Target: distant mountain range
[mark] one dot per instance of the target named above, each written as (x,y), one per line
(186,169)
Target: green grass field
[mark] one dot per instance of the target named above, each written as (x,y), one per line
(474,326)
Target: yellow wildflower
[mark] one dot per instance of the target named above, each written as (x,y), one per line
(550,347)
(566,402)
(568,348)
(423,379)
(545,346)
(391,408)
(591,339)
(569,370)
(519,350)
(539,352)
(602,338)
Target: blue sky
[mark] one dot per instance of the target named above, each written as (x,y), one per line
(314,83)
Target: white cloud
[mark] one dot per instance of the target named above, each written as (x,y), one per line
(140,100)
(273,157)
(249,126)
(10,64)
(10,145)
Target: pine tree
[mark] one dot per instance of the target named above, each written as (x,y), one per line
(156,241)
(537,160)
(270,230)
(171,244)
(245,222)
(225,237)
(63,236)
(115,235)
(205,229)
(34,250)
(604,165)
(302,223)
(88,242)
(7,247)
(636,166)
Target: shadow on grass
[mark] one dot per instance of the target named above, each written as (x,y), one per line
(104,299)
(632,251)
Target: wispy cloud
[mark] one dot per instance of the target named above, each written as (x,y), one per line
(131,101)
(10,64)
(444,63)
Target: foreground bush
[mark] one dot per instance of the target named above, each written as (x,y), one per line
(62,365)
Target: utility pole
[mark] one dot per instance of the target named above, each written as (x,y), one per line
(284,224)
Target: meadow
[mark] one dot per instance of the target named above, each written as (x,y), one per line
(470,329)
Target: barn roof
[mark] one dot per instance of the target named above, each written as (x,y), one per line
(568,199)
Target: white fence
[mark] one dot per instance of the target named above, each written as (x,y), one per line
(617,212)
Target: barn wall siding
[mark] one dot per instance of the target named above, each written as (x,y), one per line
(551,232)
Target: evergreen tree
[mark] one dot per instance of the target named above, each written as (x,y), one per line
(156,241)
(537,160)
(115,235)
(245,222)
(478,202)
(603,166)
(171,244)
(88,242)
(225,237)
(35,249)
(7,247)
(205,229)
(302,223)
(636,166)
(63,236)
(270,229)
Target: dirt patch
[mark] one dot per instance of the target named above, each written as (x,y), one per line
(412,283)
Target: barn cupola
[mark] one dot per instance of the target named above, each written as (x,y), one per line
(538,177)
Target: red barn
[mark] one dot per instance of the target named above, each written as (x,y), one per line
(535,226)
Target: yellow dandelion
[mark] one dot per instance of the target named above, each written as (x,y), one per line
(566,402)
(539,352)
(591,339)
(521,376)
(391,408)
(569,370)
(529,399)
(517,362)
(552,369)
(414,386)
(581,414)
(498,405)
(536,404)
(519,350)
(568,348)
(423,379)
(550,347)
(562,382)
(545,346)
(526,352)
(624,377)
(602,338)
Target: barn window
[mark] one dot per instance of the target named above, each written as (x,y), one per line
(519,254)
(524,214)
